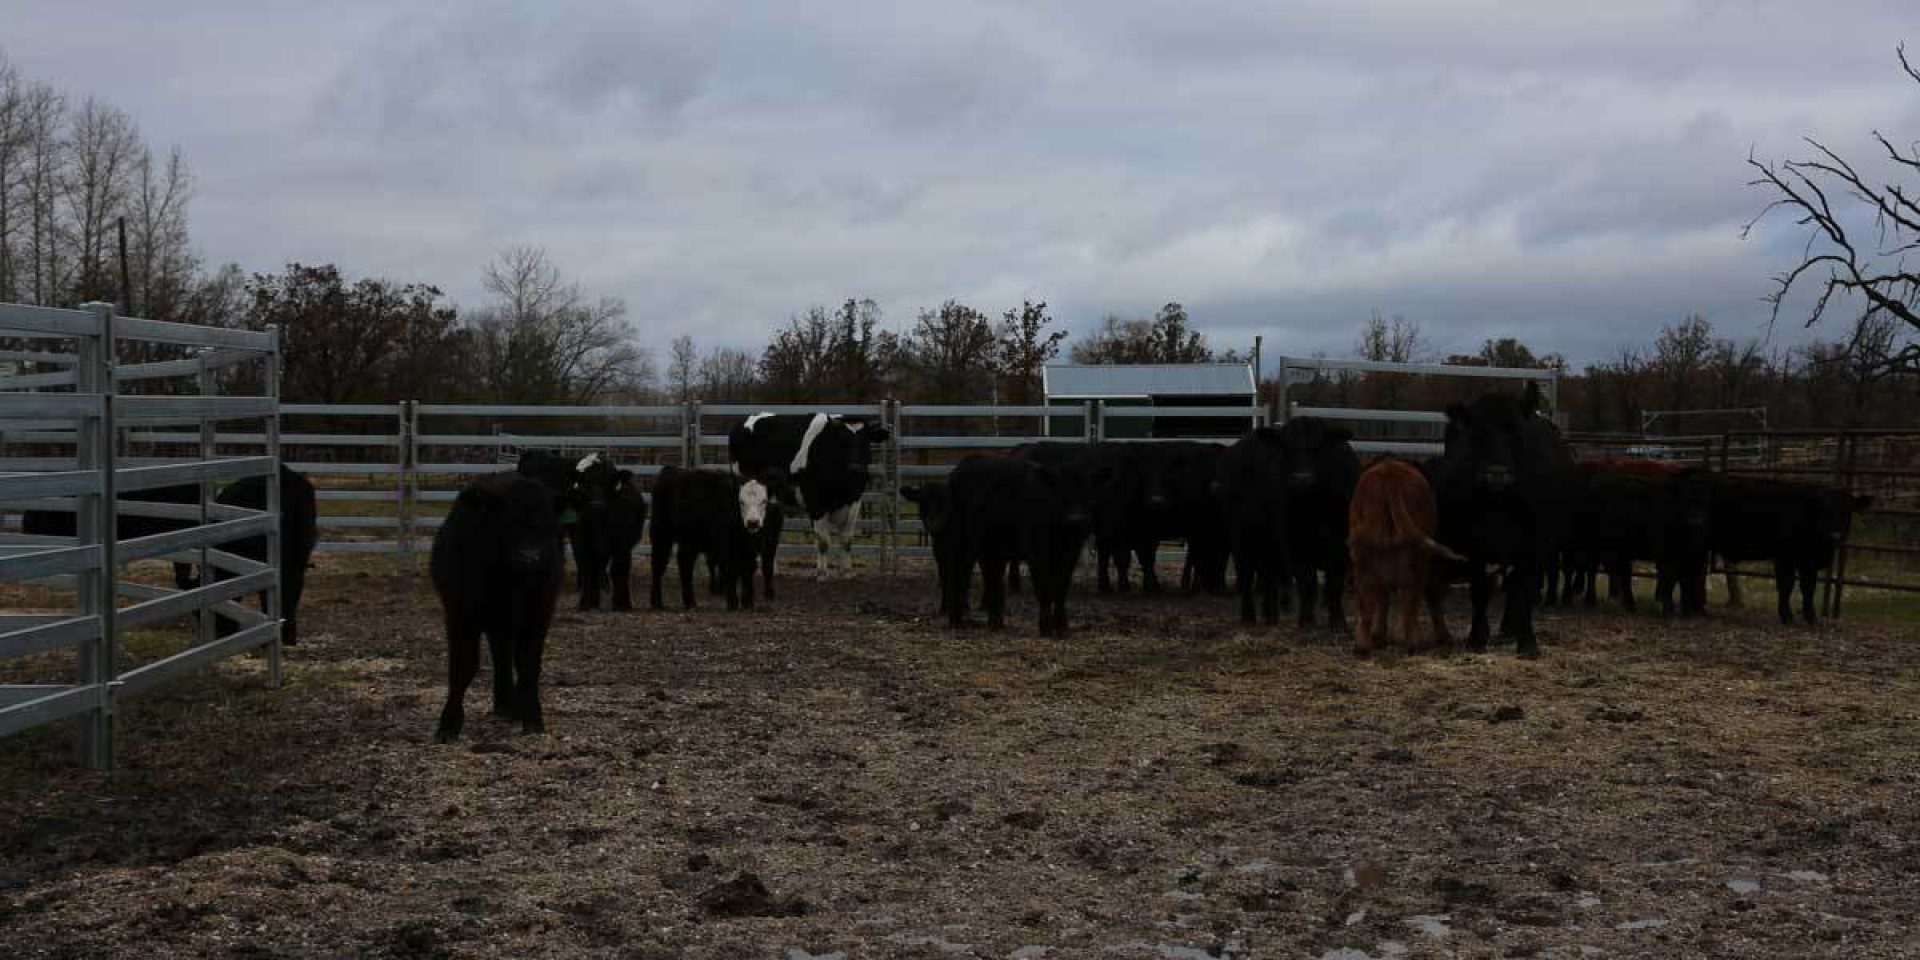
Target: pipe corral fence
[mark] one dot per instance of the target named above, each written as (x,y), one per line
(67,430)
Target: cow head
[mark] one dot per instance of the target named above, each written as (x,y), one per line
(1308,444)
(595,482)
(936,506)
(523,514)
(1483,441)
(753,505)
(1837,508)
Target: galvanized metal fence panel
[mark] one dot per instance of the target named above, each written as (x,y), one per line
(93,420)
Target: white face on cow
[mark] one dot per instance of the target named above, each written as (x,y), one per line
(753,505)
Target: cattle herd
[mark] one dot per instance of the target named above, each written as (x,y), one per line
(1292,510)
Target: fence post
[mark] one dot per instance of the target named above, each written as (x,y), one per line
(1280,411)
(1843,467)
(276,597)
(1096,422)
(890,418)
(404,483)
(208,450)
(97,525)
(690,455)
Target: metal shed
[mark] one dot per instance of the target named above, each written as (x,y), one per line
(1152,385)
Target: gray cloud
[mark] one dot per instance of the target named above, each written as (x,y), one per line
(1485,168)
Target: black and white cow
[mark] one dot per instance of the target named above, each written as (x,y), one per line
(817,462)
(710,512)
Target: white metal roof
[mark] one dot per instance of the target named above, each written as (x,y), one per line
(1106,381)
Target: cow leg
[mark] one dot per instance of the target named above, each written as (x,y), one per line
(822,549)
(993,571)
(662,549)
(716,581)
(1307,584)
(586,571)
(1244,575)
(1369,600)
(1516,621)
(1622,576)
(1479,591)
(1102,561)
(1783,585)
(1122,568)
(1274,590)
(529,646)
(1809,574)
(1734,598)
(1432,589)
(1336,593)
(620,571)
(293,583)
(1013,575)
(688,559)
(959,582)
(463,661)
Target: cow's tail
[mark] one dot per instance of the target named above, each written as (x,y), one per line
(1440,550)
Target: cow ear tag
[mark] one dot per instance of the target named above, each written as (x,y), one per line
(569,515)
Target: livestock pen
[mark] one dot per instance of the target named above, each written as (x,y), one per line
(836,773)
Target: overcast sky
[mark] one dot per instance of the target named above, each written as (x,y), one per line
(1487,169)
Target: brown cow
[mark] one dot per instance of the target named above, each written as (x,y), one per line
(1390,527)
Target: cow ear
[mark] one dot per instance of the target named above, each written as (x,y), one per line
(1860,501)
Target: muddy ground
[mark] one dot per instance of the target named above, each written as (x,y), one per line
(835,774)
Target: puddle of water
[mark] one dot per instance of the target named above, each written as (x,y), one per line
(1032,951)
(1256,865)
(1631,926)
(1356,917)
(1432,925)
(1807,876)
(1743,885)
(1587,901)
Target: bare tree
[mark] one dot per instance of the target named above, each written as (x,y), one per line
(542,341)
(727,374)
(105,149)
(162,266)
(1680,358)
(683,364)
(1874,270)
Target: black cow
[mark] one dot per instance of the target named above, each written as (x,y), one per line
(1253,489)
(497,566)
(818,462)
(1505,486)
(1196,514)
(722,515)
(1797,526)
(64,523)
(936,520)
(1618,518)
(612,514)
(298,533)
(1319,473)
(1007,508)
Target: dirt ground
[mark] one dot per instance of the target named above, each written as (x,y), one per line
(836,774)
